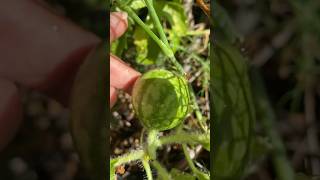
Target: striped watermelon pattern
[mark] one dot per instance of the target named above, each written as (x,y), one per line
(161,99)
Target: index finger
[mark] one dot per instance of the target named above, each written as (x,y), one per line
(122,76)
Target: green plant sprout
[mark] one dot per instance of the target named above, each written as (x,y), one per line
(147,154)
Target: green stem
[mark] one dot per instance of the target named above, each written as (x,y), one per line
(145,163)
(153,143)
(197,111)
(132,156)
(162,172)
(184,137)
(167,51)
(188,158)
(196,57)
(141,136)
(156,21)
(162,34)
(177,66)
(201,175)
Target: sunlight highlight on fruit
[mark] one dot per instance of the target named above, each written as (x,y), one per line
(161,99)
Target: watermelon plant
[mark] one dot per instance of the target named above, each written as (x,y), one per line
(162,97)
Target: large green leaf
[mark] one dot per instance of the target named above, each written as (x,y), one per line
(174,13)
(88,113)
(233,111)
(148,51)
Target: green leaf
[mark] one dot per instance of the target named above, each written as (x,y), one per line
(118,46)
(88,113)
(114,46)
(147,50)
(174,13)
(206,144)
(234,112)
(178,175)
(137,4)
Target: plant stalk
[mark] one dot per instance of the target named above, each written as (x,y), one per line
(156,21)
(145,163)
(153,143)
(132,156)
(167,51)
(165,48)
(184,137)
(162,34)
(197,172)
(163,173)
(197,111)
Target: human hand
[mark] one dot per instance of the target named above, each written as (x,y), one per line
(121,75)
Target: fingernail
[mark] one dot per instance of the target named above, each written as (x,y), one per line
(118,17)
(124,15)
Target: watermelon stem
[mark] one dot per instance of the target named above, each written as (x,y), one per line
(156,21)
(153,143)
(147,168)
(186,138)
(163,173)
(132,156)
(197,172)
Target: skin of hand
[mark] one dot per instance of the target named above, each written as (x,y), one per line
(121,76)
(43,53)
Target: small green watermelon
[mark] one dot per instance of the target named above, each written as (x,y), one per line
(161,99)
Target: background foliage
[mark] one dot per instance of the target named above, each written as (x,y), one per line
(280,40)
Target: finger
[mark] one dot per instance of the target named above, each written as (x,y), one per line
(118,24)
(113,96)
(122,76)
(10,112)
(43,52)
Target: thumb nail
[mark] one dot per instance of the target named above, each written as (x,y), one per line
(118,19)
